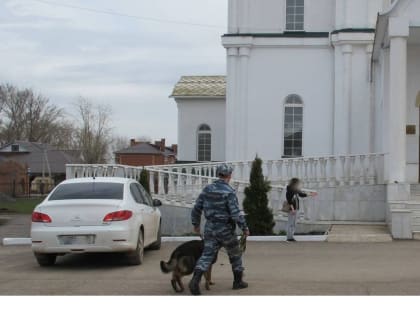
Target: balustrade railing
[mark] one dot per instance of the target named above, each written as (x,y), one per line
(325,171)
(180,184)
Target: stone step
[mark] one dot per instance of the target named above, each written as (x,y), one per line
(359,234)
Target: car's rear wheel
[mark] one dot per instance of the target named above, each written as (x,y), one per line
(136,257)
(156,245)
(45,260)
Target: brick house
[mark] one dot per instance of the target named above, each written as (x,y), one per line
(40,159)
(13,177)
(141,153)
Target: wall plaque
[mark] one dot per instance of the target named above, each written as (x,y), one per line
(411,129)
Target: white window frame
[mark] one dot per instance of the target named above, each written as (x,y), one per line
(294,29)
(204,132)
(288,104)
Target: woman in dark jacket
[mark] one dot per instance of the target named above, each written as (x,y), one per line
(293,192)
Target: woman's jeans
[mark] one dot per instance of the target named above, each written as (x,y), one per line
(291,225)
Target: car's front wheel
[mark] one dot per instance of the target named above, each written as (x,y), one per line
(45,260)
(137,256)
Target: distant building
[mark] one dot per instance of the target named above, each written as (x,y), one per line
(141,153)
(40,158)
(13,177)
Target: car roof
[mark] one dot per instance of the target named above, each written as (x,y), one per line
(120,180)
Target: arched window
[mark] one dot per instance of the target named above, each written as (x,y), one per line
(295,15)
(293,126)
(204,143)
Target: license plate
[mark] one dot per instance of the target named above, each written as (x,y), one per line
(76,239)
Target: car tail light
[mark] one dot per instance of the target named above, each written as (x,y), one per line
(121,215)
(40,217)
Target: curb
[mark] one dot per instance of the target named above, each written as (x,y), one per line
(301,238)
(11,241)
(16,241)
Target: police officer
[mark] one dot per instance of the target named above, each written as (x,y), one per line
(221,210)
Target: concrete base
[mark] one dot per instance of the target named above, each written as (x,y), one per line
(365,203)
(401,224)
(399,217)
(359,234)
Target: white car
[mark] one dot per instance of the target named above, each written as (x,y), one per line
(96,215)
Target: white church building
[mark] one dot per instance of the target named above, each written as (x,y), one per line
(324,90)
(310,78)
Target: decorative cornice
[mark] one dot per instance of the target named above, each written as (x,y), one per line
(353,30)
(282,35)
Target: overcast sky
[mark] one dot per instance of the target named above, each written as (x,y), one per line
(127,63)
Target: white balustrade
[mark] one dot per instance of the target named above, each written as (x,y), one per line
(181,183)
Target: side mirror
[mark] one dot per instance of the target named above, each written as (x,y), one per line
(157,203)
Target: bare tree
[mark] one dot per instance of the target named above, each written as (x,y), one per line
(64,136)
(27,116)
(119,143)
(144,139)
(93,135)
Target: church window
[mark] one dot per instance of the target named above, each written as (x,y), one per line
(293,126)
(295,15)
(204,143)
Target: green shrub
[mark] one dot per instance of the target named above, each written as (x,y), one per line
(259,216)
(144,180)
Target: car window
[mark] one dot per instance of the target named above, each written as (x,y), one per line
(91,190)
(146,195)
(135,192)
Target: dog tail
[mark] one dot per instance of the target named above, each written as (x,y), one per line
(169,266)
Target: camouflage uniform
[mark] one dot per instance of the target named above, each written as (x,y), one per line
(221,210)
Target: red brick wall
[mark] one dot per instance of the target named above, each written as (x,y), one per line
(140,159)
(13,179)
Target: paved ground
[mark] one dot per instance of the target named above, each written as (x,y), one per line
(17,225)
(272,269)
(359,233)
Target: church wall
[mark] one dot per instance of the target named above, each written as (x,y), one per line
(268,16)
(191,114)
(276,73)
(413,87)
(358,13)
(360,128)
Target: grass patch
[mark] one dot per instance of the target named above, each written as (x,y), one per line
(21,205)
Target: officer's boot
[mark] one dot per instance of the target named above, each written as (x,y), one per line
(238,283)
(195,282)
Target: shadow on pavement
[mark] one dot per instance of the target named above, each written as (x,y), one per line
(92,261)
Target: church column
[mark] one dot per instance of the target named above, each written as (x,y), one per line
(242,138)
(369,51)
(231,104)
(347,51)
(398,34)
(233,16)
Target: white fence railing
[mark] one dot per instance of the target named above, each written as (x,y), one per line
(315,172)
(180,184)
(174,188)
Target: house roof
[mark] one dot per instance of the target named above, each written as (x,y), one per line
(200,86)
(26,147)
(145,148)
(35,156)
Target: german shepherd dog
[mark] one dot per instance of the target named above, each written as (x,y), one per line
(182,263)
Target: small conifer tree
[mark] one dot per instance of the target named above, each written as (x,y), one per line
(144,180)
(259,216)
